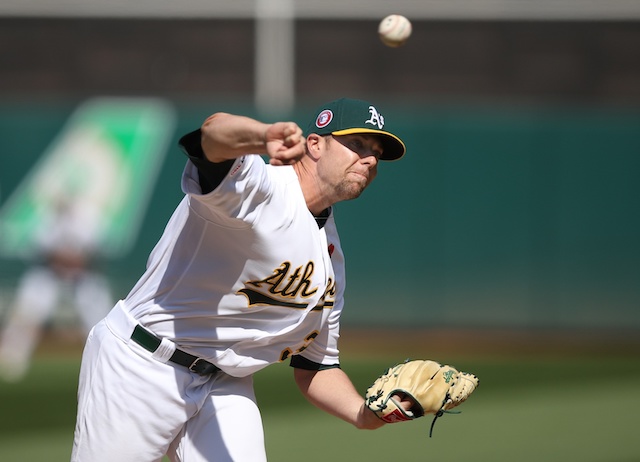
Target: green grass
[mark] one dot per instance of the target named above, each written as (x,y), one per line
(572,409)
(527,411)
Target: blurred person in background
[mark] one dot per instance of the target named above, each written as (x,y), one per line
(66,251)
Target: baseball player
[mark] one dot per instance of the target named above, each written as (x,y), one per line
(66,246)
(248,272)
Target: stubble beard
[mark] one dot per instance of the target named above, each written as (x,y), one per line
(349,190)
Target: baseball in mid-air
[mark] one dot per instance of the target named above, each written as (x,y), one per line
(394,30)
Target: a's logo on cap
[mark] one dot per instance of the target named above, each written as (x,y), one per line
(376,118)
(324,118)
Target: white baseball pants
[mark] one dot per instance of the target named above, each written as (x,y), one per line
(134,406)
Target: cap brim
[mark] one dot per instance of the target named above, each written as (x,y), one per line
(394,148)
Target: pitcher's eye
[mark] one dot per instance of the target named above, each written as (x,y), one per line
(356,145)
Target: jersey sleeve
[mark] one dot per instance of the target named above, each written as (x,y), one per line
(234,189)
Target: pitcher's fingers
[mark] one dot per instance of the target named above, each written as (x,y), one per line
(293,136)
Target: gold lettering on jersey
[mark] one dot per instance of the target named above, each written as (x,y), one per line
(256,298)
(285,283)
(287,352)
(328,298)
(288,283)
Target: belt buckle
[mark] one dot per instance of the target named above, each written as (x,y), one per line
(194,365)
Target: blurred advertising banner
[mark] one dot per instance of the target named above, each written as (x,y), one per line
(105,161)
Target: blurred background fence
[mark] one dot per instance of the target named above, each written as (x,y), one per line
(517,205)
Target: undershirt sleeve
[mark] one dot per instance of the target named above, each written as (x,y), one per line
(210,174)
(300,362)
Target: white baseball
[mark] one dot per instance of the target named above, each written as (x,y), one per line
(394,30)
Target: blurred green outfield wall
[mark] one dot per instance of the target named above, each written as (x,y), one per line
(496,217)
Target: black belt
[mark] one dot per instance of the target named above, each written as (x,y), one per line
(150,342)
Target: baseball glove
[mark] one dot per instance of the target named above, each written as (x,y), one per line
(432,387)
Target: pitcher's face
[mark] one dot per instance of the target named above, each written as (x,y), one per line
(349,163)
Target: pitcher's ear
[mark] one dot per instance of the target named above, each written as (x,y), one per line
(314,145)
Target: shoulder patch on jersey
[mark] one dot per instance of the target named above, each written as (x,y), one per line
(237,167)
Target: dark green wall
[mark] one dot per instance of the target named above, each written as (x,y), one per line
(496,217)
(502,217)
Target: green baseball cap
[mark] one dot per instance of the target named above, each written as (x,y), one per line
(347,116)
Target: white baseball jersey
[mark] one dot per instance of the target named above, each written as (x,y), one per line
(243,276)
